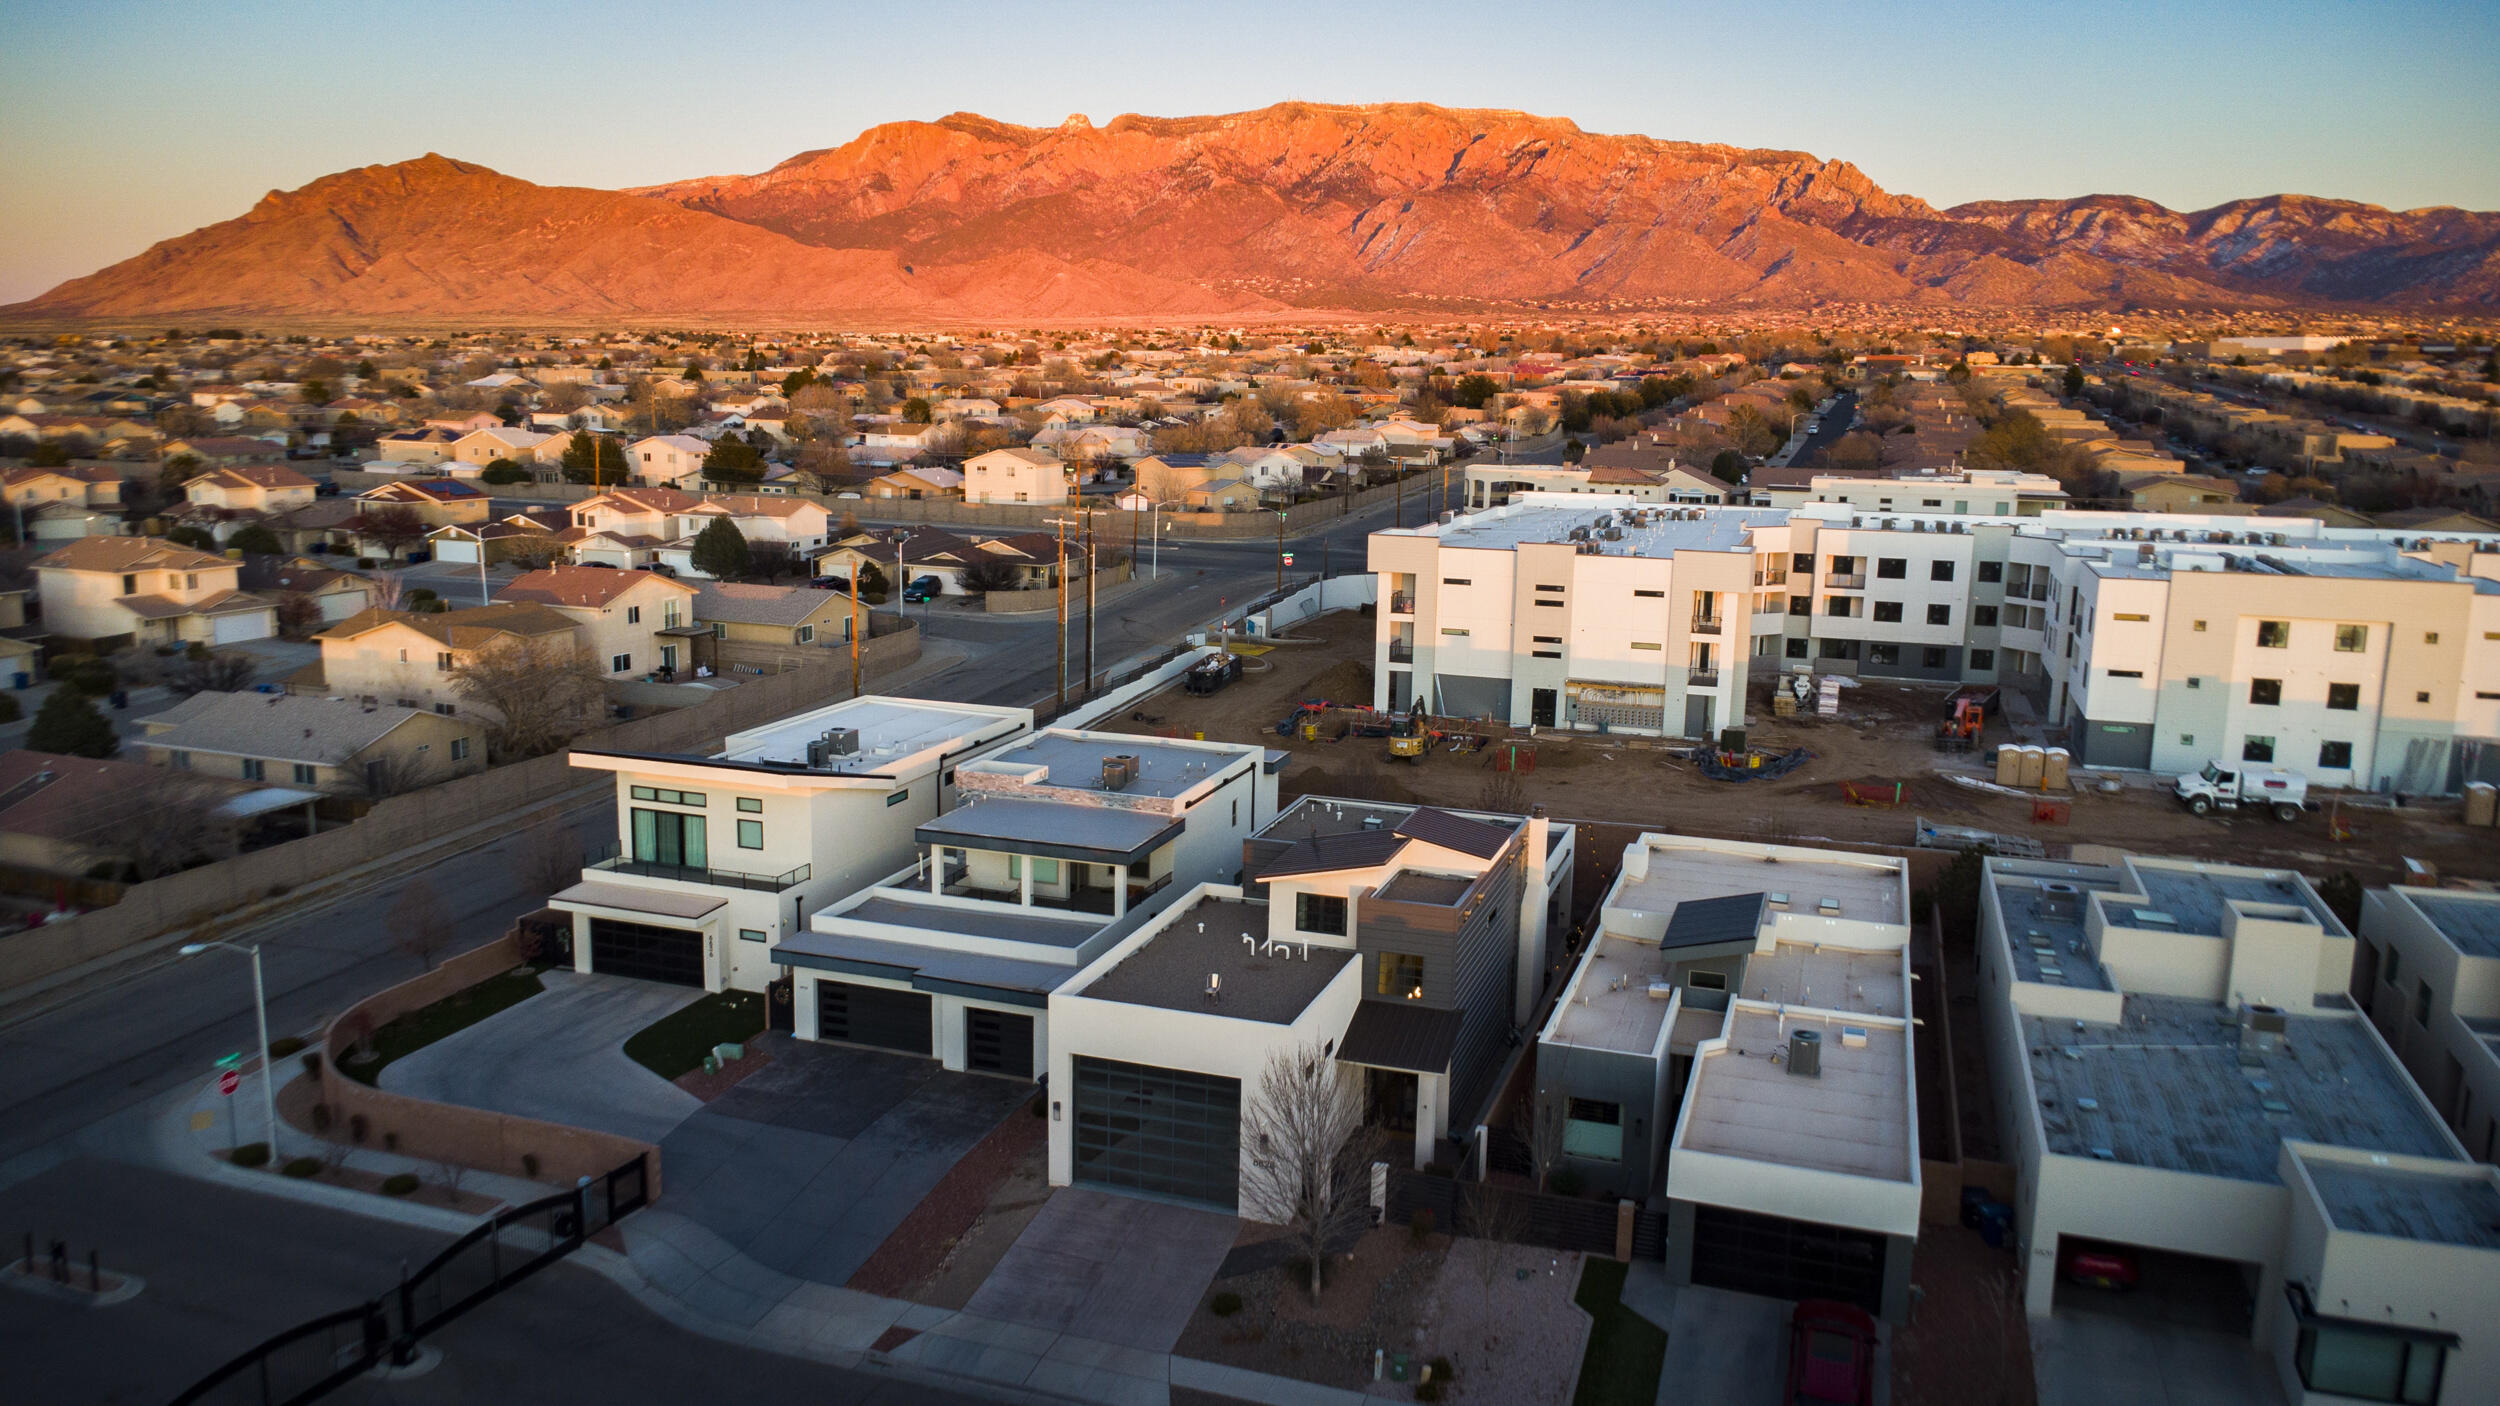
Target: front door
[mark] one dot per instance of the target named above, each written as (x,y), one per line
(1541,707)
(1390,1100)
(668,658)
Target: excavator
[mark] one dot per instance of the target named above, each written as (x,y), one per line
(1407,738)
(1960,732)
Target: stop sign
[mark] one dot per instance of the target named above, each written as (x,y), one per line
(228,1081)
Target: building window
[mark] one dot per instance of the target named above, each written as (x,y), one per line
(2265,693)
(305,773)
(2422,697)
(2344,697)
(899,797)
(1983,616)
(669,798)
(2395,960)
(2274,634)
(1940,615)
(633,615)
(2257,749)
(670,837)
(2200,627)
(1457,581)
(2134,619)
(1556,653)
(1636,644)
(179,761)
(1892,568)
(1992,572)
(443,708)
(1796,648)
(720,630)
(2126,673)
(1887,612)
(1932,657)
(442,662)
(1402,975)
(750,805)
(1801,605)
(1319,913)
(1801,561)
(2422,1004)
(459,749)
(2335,755)
(807,634)
(2367,1362)
(2187,739)
(2430,637)
(1593,1130)
(1885,654)
(751,935)
(1453,630)
(750,834)
(254,769)
(1652,595)
(1939,571)
(620,663)
(2352,639)
(1982,660)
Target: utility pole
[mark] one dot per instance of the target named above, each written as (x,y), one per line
(1399,520)
(1061,571)
(1093,556)
(1280,549)
(858,626)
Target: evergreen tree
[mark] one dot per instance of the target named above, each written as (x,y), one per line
(71,726)
(733,460)
(585,450)
(720,552)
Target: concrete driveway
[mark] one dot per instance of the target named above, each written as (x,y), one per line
(2084,1359)
(1727,1349)
(810,1162)
(1118,1269)
(560,1057)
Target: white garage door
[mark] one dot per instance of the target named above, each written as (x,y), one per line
(455,549)
(242,625)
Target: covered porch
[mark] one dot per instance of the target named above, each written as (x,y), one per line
(1403,1050)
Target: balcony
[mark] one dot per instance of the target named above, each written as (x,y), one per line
(1702,678)
(1846,581)
(1706,625)
(1773,577)
(717,878)
(2040,590)
(1401,651)
(1403,604)
(1080,897)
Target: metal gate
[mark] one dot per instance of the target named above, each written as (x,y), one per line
(873,1015)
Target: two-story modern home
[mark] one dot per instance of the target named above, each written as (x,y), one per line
(2428,973)
(1058,845)
(1736,1039)
(718,858)
(149,591)
(623,614)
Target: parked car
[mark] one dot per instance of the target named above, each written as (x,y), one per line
(661,568)
(1831,1355)
(830,583)
(2099,1266)
(924,588)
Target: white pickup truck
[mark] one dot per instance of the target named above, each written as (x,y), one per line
(2223,787)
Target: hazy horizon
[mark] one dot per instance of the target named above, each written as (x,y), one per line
(2190,106)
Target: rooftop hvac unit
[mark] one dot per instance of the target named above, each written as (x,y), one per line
(842,741)
(2060,902)
(1119,771)
(1805,1053)
(2262,1028)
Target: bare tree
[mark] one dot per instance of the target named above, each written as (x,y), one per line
(1502,794)
(157,825)
(383,590)
(547,858)
(215,673)
(1164,483)
(394,528)
(419,924)
(992,574)
(391,774)
(537,695)
(1541,1115)
(771,560)
(534,552)
(1302,1152)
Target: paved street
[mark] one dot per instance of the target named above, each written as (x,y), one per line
(225,1269)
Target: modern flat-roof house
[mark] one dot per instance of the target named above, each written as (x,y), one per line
(1736,1039)
(1056,847)
(1399,938)
(2429,976)
(720,857)
(2183,1087)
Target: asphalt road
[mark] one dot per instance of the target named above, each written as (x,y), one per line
(225,1269)
(1837,421)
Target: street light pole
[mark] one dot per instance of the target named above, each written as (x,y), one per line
(260,1013)
(1060,569)
(1280,549)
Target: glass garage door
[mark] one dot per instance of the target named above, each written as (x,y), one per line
(873,1015)
(645,952)
(1167,1132)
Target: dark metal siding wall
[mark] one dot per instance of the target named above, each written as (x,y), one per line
(1467,968)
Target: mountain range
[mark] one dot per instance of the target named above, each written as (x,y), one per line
(1300,206)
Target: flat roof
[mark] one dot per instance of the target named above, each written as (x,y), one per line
(1165,768)
(1006,922)
(871,956)
(1316,817)
(2168,1090)
(1849,979)
(1038,825)
(1670,528)
(1853,1118)
(1415,886)
(891,730)
(1170,969)
(1868,889)
(2198,897)
(2053,951)
(631,898)
(1599,1015)
(2469,921)
(2408,1205)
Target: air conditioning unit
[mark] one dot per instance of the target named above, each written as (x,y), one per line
(1805,1053)
(1119,771)
(842,741)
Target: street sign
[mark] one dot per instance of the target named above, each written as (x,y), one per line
(1288,558)
(228,1061)
(229,1081)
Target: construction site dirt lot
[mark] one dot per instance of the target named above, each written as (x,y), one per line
(1883,734)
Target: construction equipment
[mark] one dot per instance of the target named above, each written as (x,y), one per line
(2221,787)
(1956,837)
(1407,740)
(1883,795)
(1209,675)
(1960,732)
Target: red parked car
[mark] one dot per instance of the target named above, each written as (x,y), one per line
(1831,1355)
(2100,1266)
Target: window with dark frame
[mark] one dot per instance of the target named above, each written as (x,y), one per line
(1320,913)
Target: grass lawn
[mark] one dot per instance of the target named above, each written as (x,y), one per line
(461,1009)
(1626,1351)
(677,1042)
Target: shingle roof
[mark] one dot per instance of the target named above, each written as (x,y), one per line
(1327,854)
(741,603)
(461,629)
(576,586)
(1434,826)
(275,726)
(1400,1035)
(128,554)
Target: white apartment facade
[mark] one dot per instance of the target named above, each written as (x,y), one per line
(2428,974)
(719,858)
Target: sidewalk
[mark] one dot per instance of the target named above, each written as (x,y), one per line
(694,1279)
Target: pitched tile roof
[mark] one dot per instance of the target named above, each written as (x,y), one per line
(276,726)
(127,554)
(578,586)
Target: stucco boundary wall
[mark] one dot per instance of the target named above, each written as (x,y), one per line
(1117,526)
(400,826)
(1043,598)
(444,1132)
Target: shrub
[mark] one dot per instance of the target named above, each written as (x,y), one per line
(529,1165)
(1428,1391)
(356,1128)
(1040,1105)
(10,711)
(300,1167)
(399,1184)
(1225,1304)
(321,1117)
(285,1045)
(1444,1370)
(390,1142)
(1421,1223)
(1564,1182)
(312,1063)
(251,1154)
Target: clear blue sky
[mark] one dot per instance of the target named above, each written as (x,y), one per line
(124,123)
